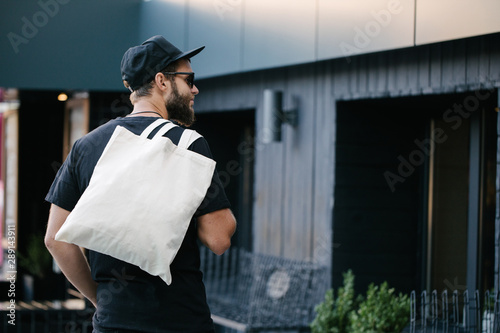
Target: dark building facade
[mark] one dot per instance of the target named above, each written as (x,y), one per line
(391,170)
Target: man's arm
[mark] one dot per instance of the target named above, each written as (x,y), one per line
(216,229)
(69,257)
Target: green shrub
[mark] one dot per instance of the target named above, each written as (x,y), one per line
(333,314)
(37,260)
(381,311)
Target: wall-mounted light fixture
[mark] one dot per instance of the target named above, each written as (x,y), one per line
(275,116)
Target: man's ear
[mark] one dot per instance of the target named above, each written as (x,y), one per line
(162,82)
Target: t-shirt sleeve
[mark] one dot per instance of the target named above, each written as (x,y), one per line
(64,191)
(215,198)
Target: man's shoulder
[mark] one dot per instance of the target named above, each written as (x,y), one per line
(133,124)
(101,135)
(97,136)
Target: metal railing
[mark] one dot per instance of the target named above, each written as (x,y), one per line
(454,312)
(45,317)
(250,292)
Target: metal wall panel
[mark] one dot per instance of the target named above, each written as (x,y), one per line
(166,18)
(453,19)
(278,33)
(88,38)
(218,26)
(65,44)
(350,27)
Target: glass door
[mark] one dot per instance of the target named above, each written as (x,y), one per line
(448,205)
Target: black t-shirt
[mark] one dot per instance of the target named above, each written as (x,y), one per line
(128,297)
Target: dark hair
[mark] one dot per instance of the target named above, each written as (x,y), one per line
(145,90)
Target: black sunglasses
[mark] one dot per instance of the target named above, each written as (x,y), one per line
(189,78)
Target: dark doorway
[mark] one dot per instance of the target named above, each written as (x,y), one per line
(377,220)
(40,151)
(406,183)
(231,138)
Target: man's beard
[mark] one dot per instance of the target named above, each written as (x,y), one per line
(178,107)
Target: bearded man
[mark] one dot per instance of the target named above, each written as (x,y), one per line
(128,299)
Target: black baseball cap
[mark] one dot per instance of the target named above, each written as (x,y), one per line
(141,63)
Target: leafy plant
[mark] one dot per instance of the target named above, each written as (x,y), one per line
(37,260)
(333,314)
(381,311)
(489,302)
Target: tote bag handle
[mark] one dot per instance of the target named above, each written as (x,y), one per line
(187,137)
(155,124)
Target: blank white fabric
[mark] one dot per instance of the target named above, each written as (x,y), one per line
(141,198)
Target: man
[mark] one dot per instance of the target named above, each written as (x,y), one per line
(127,299)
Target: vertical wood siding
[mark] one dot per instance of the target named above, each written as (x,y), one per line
(294,179)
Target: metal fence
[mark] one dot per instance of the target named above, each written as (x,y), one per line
(44,317)
(454,312)
(250,292)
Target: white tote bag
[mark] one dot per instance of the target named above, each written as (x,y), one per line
(141,198)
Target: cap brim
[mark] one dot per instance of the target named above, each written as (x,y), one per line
(189,54)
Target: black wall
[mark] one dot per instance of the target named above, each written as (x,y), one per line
(40,156)
(231,139)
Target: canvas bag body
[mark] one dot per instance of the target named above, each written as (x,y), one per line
(141,198)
